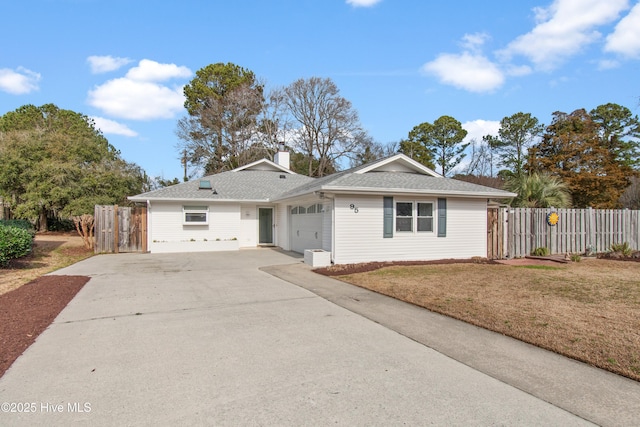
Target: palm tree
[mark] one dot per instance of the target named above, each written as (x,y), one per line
(538,191)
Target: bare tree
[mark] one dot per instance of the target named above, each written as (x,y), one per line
(329,127)
(274,124)
(630,199)
(371,151)
(480,160)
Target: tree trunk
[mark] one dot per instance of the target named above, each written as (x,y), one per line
(84,226)
(42,221)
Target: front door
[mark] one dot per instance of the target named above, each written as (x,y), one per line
(265,226)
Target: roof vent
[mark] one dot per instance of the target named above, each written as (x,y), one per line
(205,184)
(283,177)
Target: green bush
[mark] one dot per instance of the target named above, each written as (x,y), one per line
(60,224)
(541,251)
(15,242)
(19,223)
(622,248)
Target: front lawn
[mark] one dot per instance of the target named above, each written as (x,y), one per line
(589,311)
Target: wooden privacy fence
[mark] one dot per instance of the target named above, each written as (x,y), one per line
(516,232)
(120,229)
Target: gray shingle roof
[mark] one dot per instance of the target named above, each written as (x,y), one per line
(268,185)
(258,185)
(390,182)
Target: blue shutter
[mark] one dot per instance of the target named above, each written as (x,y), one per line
(442,217)
(387,203)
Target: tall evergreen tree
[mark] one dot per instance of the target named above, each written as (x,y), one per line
(442,140)
(516,134)
(619,132)
(223,102)
(572,148)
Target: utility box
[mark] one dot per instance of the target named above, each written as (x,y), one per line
(317,257)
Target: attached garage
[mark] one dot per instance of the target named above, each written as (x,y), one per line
(306,227)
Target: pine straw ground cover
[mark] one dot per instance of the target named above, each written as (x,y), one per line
(589,311)
(51,251)
(29,301)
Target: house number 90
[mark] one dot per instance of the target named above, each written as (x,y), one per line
(353,207)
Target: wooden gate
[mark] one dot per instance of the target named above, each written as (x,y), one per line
(120,229)
(495,233)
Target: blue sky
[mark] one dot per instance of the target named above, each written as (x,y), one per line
(400,62)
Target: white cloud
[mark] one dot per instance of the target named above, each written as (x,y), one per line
(563,29)
(476,129)
(473,42)
(18,82)
(608,64)
(104,64)
(138,95)
(518,70)
(135,100)
(112,127)
(363,3)
(625,39)
(152,71)
(472,72)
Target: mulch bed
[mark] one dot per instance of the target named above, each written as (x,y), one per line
(616,256)
(344,269)
(27,311)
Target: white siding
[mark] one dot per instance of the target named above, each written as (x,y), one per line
(359,235)
(327,230)
(282,226)
(168,233)
(248,226)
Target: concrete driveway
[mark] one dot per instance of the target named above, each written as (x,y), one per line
(210,339)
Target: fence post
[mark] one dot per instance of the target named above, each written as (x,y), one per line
(143,227)
(116,230)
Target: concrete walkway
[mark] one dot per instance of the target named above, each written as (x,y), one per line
(211,339)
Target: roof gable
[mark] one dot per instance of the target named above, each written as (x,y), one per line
(398,163)
(264,165)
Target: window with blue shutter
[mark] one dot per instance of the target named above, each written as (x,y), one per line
(387,203)
(442,217)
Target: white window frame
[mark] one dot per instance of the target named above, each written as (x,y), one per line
(433,221)
(414,217)
(396,216)
(194,209)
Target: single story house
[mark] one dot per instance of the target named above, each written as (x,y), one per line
(394,209)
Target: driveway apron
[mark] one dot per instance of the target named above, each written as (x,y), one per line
(210,339)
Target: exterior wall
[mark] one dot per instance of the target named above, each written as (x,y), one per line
(282,219)
(359,235)
(248,226)
(167,233)
(327,224)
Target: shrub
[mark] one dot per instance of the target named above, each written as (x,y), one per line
(19,223)
(541,251)
(60,224)
(576,257)
(622,248)
(15,242)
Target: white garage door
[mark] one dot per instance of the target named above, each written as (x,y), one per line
(306,227)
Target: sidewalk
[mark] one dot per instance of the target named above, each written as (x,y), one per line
(590,393)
